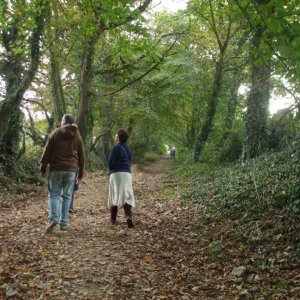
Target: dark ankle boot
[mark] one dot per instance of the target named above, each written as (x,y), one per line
(128,215)
(113,214)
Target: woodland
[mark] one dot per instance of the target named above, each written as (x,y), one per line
(201,80)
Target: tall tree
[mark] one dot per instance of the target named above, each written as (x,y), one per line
(55,57)
(22,30)
(215,14)
(275,46)
(256,118)
(99,17)
(257,104)
(229,147)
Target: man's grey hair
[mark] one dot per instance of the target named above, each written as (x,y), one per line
(68,119)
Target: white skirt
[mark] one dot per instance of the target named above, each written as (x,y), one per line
(120,189)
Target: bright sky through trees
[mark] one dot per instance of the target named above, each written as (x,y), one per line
(170,5)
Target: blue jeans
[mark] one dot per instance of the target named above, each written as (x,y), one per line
(60,184)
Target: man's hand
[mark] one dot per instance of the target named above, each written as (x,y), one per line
(43,174)
(78,180)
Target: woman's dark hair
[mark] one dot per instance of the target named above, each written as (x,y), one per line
(68,119)
(123,135)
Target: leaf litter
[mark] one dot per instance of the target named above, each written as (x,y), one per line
(169,254)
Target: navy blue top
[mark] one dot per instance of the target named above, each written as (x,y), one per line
(119,159)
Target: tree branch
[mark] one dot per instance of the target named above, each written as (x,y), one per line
(131,64)
(164,55)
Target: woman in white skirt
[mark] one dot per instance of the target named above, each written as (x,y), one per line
(120,180)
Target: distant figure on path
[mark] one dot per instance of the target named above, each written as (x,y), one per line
(64,152)
(120,180)
(172,153)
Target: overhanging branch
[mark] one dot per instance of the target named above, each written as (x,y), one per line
(163,56)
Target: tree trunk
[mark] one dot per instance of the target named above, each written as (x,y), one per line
(256,125)
(193,127)
(232,103)
(84,119)
(107,112)
(223,41)
(15,89)
(86,77)
(212,106)
(227,150)
(55,70)
(229,145)
(56,86)
(17,81)
(9,147)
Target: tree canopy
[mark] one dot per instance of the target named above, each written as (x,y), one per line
(169,78)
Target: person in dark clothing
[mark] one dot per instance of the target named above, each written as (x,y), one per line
(172,153)
(120,180)
(64,152)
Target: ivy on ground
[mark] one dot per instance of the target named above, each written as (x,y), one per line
(269,182)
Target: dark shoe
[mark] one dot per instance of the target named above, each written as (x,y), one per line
(130,223)
(70,210)
(128,215)
(50,226)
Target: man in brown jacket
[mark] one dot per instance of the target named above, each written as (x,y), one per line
(64,152)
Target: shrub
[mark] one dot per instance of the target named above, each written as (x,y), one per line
(138,150)
(283,129)
(28,166)
(151,157)
(270,181)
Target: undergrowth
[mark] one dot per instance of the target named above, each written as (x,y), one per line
(253,209)
(246,190)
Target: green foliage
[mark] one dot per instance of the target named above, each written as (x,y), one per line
(94,163)
(242,191)
(138,149)
(171,100)
(231,149)
(185,168)
(144,158)
(18,23)
(161,149)
(142,155)
(223,146)
(28,166)
(280,20)
(283,129)
(151,157)
(226,141)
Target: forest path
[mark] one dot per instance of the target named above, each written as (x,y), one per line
(159,258)
(169,254)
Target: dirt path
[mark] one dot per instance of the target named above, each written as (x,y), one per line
(94,260)
(170,254)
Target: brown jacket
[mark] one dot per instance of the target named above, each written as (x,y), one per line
(64,151)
